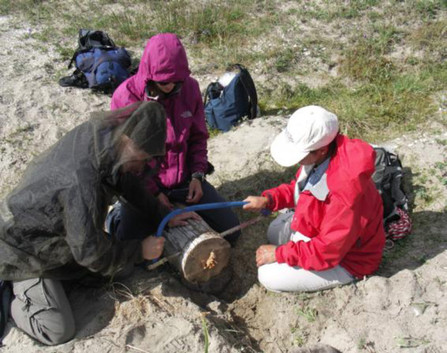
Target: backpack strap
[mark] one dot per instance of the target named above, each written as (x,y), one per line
(207,91)
(73,58)
(250,89)
(83,45)
(89,39)
(212,87)
(5,304)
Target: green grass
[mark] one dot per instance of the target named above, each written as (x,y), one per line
(310,314)
(284,59)
(366,111)
(410,342)
(381,94)
(205,332)
(211,24)
(332,10)
(375,94)
(431,39)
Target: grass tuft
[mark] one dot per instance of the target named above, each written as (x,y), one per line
(376,93)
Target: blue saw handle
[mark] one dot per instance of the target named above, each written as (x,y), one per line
(204,206)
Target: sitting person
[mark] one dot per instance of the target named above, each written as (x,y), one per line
(51,224)
(164,76)
(335,232)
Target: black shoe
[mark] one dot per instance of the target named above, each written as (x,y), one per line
(77,79)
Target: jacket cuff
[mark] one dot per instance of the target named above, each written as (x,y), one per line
(270,202)
(279,254)
(198,168)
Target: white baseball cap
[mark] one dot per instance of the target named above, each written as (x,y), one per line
(307,130)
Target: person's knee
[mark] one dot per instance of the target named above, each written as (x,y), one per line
(42,311)
(50,329)
(273,233)
(63,332)
(279,230)
(282,278)
(268,278)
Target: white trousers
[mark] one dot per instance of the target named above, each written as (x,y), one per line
(284,278)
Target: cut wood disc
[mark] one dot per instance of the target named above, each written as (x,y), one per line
(203,253)
(205,257)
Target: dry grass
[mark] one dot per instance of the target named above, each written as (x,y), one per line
(377,64)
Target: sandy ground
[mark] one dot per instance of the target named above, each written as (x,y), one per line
(401,309)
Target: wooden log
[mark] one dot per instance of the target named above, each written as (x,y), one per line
(203,253)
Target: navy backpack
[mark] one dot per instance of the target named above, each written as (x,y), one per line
(99,63)
(226,105)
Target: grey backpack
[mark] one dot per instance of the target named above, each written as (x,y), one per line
(388,179)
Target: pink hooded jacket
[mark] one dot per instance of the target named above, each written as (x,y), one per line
(164,59)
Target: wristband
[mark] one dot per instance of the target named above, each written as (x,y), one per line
(199,176)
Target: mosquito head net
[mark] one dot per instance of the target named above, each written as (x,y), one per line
(131,136)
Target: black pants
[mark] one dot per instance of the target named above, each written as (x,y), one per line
(124,222)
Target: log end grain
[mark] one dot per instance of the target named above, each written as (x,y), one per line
(205,257)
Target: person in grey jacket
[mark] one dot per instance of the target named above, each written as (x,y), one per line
(52,223)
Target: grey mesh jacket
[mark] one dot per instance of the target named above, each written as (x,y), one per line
(51,224)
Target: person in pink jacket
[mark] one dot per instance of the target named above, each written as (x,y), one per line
(333,232)
(164,76)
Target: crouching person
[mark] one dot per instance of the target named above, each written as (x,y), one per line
(334,232)
(51,224)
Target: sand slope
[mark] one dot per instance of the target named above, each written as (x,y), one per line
(401,309)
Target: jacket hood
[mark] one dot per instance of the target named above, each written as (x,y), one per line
(353,163)
(164,59)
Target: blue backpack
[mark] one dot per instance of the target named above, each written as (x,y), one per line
(99,63)
(226,106)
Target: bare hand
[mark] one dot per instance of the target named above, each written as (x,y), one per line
(195,191)
(180,219)
(256,203)
(165,201)
(265,255)
(152,247)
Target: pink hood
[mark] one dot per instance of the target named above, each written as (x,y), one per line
(164,59)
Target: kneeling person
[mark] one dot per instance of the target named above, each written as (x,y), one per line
(333,231)
(51,224)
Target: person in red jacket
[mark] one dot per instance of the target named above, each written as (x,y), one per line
(333,233)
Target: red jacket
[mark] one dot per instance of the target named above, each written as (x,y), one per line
(344,223)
